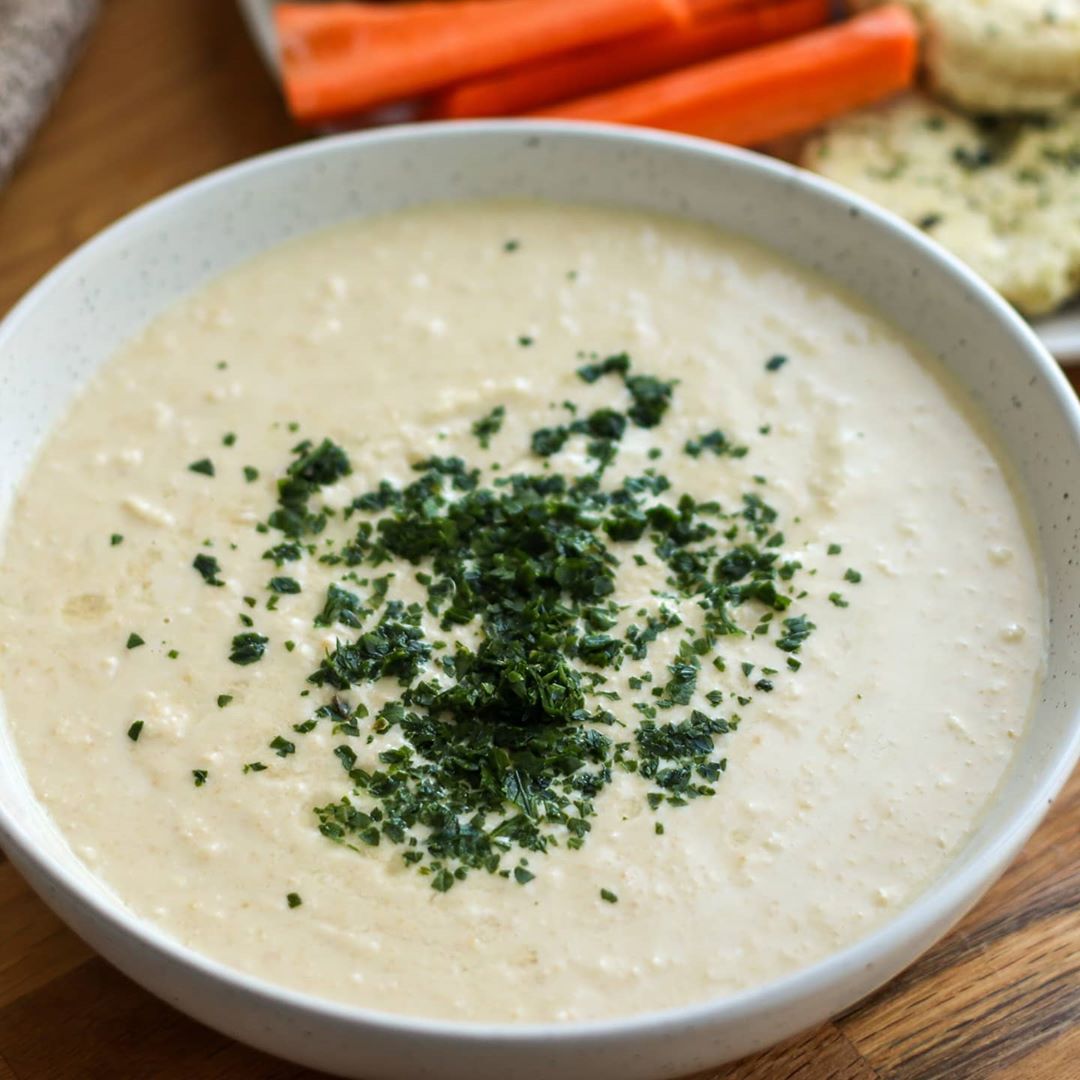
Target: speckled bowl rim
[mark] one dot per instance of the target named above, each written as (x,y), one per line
(954,889)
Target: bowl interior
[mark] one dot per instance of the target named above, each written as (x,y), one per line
(77,317)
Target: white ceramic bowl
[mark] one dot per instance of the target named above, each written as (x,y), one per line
(77,316)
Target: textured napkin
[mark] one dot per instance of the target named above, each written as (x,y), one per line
(39,39)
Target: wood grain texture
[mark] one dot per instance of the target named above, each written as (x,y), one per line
(35,946)
(167,90)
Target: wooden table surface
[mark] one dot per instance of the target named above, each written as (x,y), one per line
(169,89)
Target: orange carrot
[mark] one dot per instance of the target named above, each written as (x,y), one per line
(342,58)
(599,67)
(771,91)
(699,10)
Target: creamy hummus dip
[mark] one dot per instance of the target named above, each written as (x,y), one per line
(512,612)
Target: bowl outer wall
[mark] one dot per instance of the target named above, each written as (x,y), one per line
(109,288)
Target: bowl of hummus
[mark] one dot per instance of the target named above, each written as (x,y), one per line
(526,598)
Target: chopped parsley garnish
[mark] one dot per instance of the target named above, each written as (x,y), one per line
(717,442)
(853,576)
(293,900)
(489,425)
(172,654)
(511,246)
(203,465)
(228,439)
(251,474)
(494,734)
(609,896)
(116,538)
(135,731)
(208,567)
(134,641)
(618,364)
(248,648)
(652,397)
(255,766)
(342,606)
(833,549)
(314,467)
(280,554)
(775,363)
(200,776)
(282,747)
(796,630)
(223,700)
(837,599)
(548,441)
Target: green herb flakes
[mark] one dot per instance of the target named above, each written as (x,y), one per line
(497,731)
(200,776)
(618,364)
(609,896)
(203,465)
(135,731)
(293,900)
(443,881)
(282,747)
(716,442)
(248,648)
(223,700)
(548,441)
(489,426)
(134,641)
(209,568)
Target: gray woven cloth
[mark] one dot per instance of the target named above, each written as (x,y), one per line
(39,40)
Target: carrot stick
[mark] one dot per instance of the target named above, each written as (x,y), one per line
(699,10)
(775,90)
(342,58)
(599,67)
